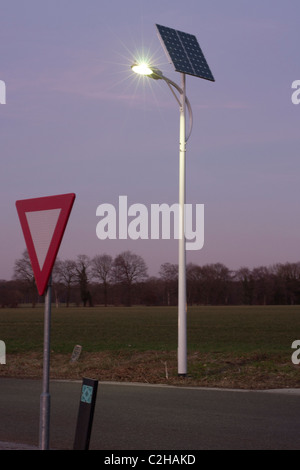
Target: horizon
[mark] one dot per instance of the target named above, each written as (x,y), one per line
(76,119)
(157,275)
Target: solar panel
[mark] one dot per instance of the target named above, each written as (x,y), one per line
(184,52)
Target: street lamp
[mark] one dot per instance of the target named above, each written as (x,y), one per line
(184,52)
(152,72)
(144,69)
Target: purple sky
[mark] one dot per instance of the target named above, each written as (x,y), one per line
(77,120)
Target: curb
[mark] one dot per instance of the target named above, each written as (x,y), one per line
(16,446)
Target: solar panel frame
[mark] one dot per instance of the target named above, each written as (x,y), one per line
(184,52)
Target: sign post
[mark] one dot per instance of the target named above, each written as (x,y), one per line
(43,221)
(85,414)
(45,396)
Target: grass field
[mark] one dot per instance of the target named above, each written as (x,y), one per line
(243,347)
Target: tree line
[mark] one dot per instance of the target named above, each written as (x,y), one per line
(124,280)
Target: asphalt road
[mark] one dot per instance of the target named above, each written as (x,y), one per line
(137,417)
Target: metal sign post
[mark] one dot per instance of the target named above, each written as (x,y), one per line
(45,395)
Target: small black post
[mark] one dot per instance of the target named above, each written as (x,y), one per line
(85,414)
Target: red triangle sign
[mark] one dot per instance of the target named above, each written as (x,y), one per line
(43,221)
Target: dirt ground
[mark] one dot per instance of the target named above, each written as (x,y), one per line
(204,370)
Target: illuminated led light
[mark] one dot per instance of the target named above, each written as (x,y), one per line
(142,69)
(147,70)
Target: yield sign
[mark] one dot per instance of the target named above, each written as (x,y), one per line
(43,221)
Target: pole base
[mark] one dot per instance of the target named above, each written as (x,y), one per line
(182,375)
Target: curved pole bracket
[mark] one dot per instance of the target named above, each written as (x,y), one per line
(171,84)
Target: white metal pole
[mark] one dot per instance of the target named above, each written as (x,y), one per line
(45,396)
(182,314)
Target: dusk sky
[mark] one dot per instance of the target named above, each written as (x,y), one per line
(76,119)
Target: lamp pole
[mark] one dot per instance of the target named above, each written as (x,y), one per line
(183,51)
(182,309)
(183,102)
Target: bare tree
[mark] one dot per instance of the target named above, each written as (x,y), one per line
(83,263)
(287,277)
(101,270)
(128,269)
(194,278)
(263,285)
(23,272)
(66,274)
(214,283)
(169,274)
(245,277)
